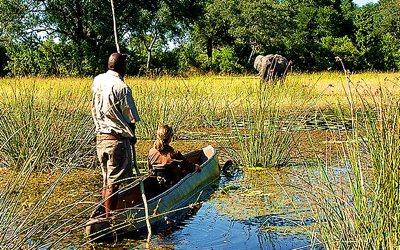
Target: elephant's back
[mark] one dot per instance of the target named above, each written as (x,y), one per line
(281,59)
(274,58)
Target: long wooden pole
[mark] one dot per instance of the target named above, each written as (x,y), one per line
(115,26)
(146,209)
(133,146)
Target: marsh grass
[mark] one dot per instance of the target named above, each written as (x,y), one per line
(362,208)
(182,104)
(48,129)
(27,223)
(42,131)
(161,104)
(262,134)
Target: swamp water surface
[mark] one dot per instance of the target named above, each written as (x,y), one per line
(211,228)
(252,209)
(237,217)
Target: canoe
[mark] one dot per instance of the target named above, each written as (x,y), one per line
(164,206)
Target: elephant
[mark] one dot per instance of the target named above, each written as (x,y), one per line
(271,67)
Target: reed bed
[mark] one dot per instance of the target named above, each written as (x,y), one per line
(201,101)
(262,132)
(46,127)
(360,208)
(184,104)
(42,131)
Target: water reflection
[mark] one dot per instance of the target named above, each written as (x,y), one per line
(213,227)
(211,230)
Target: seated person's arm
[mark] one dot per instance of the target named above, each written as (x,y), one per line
(187,166)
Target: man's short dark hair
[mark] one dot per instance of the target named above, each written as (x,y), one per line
(116,61)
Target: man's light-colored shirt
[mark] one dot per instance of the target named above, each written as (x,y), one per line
(113,107)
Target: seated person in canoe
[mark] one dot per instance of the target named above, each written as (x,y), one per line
(166,163)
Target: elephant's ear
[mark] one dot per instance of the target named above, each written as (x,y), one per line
(264,72)
(258,62)
(282,60)
(269,58)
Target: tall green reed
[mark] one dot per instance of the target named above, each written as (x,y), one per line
(179,103)
(42,130)
(263,124)
(49,126)
(363,210)
(161,104)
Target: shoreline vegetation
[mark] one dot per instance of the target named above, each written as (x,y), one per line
(221,36)
(320,151)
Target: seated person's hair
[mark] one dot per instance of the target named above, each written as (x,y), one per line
(164,136)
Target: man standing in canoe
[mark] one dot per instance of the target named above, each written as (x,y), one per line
(115,115)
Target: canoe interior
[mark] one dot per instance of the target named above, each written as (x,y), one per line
(165,207)
(131,197)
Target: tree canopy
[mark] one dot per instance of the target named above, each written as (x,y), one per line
(75,37)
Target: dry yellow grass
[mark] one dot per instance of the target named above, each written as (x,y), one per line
(326,87)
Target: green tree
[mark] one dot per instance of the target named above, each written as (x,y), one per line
(211,30)
(342,47)
(159,22)
(314,24)
(368,37)
(389,29)
(82,26)
(19,20)
(27,23)
(88,26)
(245,27)
(75,37)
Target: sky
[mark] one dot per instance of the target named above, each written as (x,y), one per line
(362,2)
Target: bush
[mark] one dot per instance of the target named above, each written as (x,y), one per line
(342,47)
(391,52)
(225,61)
(45,59)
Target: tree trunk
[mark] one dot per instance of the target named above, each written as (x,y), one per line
(251,54)
(150,50)
(79,35)
(209,48)
(148,58)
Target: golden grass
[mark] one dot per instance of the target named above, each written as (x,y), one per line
(328,86)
